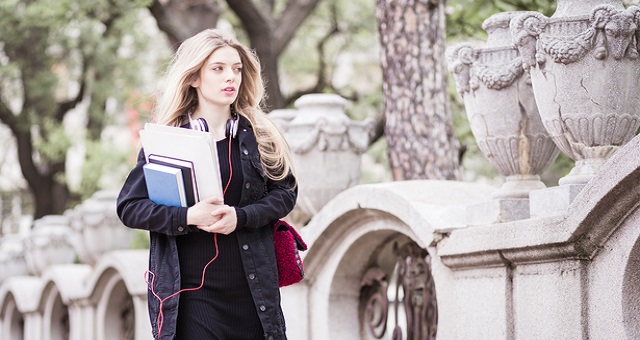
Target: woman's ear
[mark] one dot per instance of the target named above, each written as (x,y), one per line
(196,83)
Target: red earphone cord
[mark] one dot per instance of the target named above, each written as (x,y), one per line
(215,242)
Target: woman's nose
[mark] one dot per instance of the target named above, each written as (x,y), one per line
(229,76)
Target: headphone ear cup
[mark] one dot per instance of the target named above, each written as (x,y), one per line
(200,124)
(232,128)
(229,127)
(235,128)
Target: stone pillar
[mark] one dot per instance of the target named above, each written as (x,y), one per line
(504,119)
(81,320)
(585,73)
(326,147)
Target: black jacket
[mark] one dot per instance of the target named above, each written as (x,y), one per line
(262,202)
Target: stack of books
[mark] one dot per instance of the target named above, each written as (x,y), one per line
(170,181)
(182,165)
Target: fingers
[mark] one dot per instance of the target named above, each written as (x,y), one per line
(225,220)
(214,200)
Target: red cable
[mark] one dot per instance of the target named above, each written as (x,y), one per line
(153,276)
(215,242)
(230,170)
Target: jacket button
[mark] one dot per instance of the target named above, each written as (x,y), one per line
(245,151)
(248,185)
(180,229)
(252,276)
(263,308)
(245,247)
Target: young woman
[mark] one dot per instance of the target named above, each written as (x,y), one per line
(215,78)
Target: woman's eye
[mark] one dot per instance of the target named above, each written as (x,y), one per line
(238,69)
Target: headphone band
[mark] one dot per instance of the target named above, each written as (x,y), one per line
(231,129)
(232,124)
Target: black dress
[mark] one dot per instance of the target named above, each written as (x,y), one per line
(223,308)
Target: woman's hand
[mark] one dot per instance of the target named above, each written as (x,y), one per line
(200,213)
(226,220)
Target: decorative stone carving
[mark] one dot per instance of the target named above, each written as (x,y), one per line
(585,73)
(501,109)
(326,147)
(97,227)
(49,243)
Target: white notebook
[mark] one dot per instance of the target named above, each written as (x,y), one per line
(186,144)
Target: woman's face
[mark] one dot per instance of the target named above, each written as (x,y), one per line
(219,78)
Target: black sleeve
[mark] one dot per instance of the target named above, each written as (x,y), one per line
(136,210)
(277,203)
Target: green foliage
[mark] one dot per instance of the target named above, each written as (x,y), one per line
(349,53)
(140,239)
(375,164)
(100,159)
(49,51)
(465,17)
(52,144)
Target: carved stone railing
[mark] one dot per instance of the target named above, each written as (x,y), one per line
(86,232)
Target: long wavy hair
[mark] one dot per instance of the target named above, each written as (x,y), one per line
(180,99)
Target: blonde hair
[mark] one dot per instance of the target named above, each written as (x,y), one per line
(179,98)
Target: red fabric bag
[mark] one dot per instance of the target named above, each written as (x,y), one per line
(288,245)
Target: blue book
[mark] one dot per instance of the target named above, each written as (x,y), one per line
(165,184)
(188,175)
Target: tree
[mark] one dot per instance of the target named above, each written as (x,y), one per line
(47,48)
(269,28)
(419,130)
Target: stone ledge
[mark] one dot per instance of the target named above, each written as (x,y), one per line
(596,212)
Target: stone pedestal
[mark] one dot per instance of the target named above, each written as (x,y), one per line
(498,210)
(552,201)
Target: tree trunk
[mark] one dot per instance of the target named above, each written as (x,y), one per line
(50,196)
(180,19)
(419,130)
(269,32)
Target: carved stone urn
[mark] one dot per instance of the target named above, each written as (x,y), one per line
(97,227)
(50,242)
(501,109)
(326,146)
(585,73)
